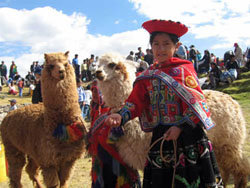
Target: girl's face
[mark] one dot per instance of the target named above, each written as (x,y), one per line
(163,48)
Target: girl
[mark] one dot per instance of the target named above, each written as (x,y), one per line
(169,102)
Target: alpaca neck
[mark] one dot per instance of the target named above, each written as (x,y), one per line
(61,101)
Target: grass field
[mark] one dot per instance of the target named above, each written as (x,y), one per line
(239,90)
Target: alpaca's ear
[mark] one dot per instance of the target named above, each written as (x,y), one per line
(122,68)
(45,57)
(66,54)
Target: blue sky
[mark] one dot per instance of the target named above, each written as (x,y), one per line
(31,28)
(103,14)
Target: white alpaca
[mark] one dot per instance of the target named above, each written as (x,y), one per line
(228,137)
(115,80)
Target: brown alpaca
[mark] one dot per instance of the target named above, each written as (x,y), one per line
(115,78)
(29,131)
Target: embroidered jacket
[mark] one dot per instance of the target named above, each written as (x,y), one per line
(167,94)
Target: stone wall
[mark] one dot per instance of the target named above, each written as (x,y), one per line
(4,109)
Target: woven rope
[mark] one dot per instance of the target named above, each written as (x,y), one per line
(162,139)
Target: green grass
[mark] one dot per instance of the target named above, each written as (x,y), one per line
(5,97)
(240,91)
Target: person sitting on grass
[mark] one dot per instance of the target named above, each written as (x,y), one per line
(232,70)
(214,75)
(12,105)
(12,89)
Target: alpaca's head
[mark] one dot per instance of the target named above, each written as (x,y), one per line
(56,65)
(113,66)
(115,77)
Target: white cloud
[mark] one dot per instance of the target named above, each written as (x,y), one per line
(226,19)
(117,22)
(135,22)
(48,30)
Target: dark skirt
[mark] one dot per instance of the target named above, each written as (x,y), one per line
(196,165)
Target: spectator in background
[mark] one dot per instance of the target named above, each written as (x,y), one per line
(12,89)
(130,56)
(12,105)
(3,73)
(87,101)
(205,62)
(238,54)
(193,57)
(139,54)
(35,65)
(29,78)
(84,69)
(76,66)
(93,66)
(17,77)
(13,69)
(20,85)
(213,58)
(149,58)
(198,55)
(81,95)
(232,68)
(142,64)
(37,94)
(214,75)
(32,67)
(75,60)
(92,58)
(248,58)
(9,81)
(89,77)
(31,87)
(181,52)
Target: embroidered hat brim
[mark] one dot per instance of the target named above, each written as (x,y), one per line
(169,26)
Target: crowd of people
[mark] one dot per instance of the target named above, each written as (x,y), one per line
(224,69)
(218,71)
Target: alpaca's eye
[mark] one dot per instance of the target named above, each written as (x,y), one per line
(66,64)
(111,65)
(51,66)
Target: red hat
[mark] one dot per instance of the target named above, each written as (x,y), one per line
(169,26)
(235,44)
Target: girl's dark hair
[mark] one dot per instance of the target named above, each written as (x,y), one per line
(174,38)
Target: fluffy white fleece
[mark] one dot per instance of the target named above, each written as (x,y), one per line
(115,80)
(228,137)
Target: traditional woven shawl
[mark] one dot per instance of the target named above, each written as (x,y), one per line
(181,77)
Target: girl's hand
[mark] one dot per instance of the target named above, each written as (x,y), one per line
(114,120)
(172,133)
